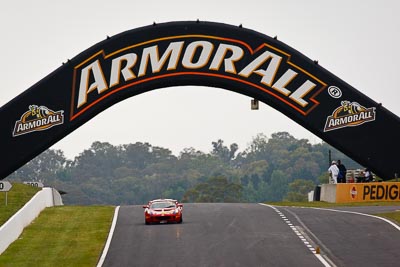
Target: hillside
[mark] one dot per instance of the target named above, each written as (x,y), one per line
(269,169)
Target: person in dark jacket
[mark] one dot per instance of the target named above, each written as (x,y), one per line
(342,172)
(368,177)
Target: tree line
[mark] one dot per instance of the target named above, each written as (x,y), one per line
(277,168)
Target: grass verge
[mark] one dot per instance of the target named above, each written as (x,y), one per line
(62,236)
(394,216)
(16,198)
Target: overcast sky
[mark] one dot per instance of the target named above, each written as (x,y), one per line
(358,41)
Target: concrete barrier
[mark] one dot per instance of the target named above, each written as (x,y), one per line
(311,196)
(328,193)
(12,229)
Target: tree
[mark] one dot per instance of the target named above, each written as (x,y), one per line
(298,190)
(278,186)
(215,189)
(48,164)
(99,160)
(136,173)
(137,155)
(249,193)
(223,152)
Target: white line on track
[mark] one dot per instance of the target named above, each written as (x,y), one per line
(110,235)
(301,237)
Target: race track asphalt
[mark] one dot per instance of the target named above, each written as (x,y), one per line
(350,238)
(210,235)
(223,234)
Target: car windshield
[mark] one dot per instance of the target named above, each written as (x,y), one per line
(162,205)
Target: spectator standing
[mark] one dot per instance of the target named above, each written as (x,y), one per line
(342,172)
(333,173)
(368,177)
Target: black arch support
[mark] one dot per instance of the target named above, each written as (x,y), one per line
(205,54)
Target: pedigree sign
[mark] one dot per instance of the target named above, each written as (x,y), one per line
(367,192)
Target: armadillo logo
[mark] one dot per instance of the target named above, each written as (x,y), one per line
(37,118)
(349,114)
(353,192)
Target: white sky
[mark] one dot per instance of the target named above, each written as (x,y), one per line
(356,40)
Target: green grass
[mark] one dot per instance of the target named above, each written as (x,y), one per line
(394,216)
(62,236)
(18,195)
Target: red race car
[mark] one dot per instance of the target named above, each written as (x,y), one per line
(163,211)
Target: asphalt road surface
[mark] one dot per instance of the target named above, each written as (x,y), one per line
(254,235)
(350,238)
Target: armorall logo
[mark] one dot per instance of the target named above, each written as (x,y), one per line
(349,114)
(38,118)
(265,68)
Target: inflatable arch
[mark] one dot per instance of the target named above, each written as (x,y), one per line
(203,54)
